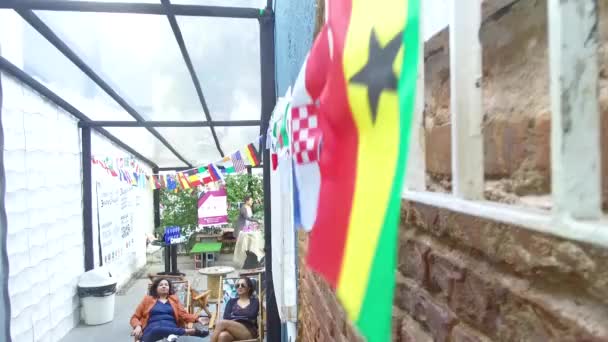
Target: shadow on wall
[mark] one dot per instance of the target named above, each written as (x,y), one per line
(294,28)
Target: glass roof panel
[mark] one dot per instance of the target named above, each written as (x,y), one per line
(32,53)
(223,3)
(226,56)
(193,143)
(233,139)
(137,55)
(147,145)
(125,1)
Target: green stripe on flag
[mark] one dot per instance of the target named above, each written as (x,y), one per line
(376,311)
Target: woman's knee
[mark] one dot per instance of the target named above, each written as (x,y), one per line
(225,337)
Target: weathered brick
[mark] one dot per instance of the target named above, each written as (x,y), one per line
(404,293)
(443,272)
(411,331)
(412,260)
(464,333)
(477,300)
(430,312)
(504,146)
(437,151)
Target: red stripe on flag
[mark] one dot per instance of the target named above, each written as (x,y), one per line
(213,172)
(275,161)
(254,154)
(338,161)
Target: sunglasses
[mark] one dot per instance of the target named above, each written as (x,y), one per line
(243,285)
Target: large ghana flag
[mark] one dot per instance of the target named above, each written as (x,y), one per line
(365,114)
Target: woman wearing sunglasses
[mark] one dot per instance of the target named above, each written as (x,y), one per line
(240,316)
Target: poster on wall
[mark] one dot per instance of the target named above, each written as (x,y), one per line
(213,208)
(115,208)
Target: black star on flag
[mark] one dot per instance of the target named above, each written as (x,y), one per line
(378,74)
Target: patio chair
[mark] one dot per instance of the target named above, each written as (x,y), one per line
(228,289)
(183,291)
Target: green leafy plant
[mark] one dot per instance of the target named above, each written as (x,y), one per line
(181,208)
(239,186)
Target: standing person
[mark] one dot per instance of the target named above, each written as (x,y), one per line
(245,216)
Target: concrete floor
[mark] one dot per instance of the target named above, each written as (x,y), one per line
(127,300)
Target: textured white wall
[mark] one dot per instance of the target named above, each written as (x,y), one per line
(44,211)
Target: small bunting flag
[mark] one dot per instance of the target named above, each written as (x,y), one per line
(237,161)
(152,183)
(214,172)
(183,181)
(252,155)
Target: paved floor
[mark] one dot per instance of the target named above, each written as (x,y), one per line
(118,330)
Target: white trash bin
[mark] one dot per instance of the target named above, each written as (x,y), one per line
(97,291)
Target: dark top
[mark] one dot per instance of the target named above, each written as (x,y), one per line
(162,314)
(242,221)
(248,315)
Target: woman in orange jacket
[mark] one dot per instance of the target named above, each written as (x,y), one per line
(160,314)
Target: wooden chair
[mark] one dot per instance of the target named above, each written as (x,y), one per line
(228,290)
(200,300)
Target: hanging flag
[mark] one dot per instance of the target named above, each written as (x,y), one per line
(214,172)
(237,161)
(134,179)
(194,180)
(157,182)
(228,166)
(307,90)
(171,183)
(152,183)
(252,155)
(183,181)
(365,114)
(306,134)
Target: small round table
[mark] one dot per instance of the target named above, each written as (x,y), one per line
(213,279)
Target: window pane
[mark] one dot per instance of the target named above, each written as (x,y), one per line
(226,56)
(237,138)
(138,55)
(31,52)
(146,144)
(194,143)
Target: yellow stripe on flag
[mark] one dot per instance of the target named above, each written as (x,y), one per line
(378,145)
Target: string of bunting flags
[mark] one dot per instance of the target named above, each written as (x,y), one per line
(128,170)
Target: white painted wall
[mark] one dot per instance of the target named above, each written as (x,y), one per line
(44,214)
(44,209)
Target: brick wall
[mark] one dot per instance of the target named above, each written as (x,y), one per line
(320,317)
(462,278)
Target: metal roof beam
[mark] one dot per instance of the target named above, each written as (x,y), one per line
(236,123)
(136,8)
(47,33)
(22,76)
(197,84)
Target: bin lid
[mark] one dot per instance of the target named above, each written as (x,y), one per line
(97,277)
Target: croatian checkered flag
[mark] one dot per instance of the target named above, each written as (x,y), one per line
(306,134)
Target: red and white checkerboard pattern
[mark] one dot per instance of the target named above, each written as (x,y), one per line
(306,134)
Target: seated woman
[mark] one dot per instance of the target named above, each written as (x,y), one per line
(240,317)
(160,314)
